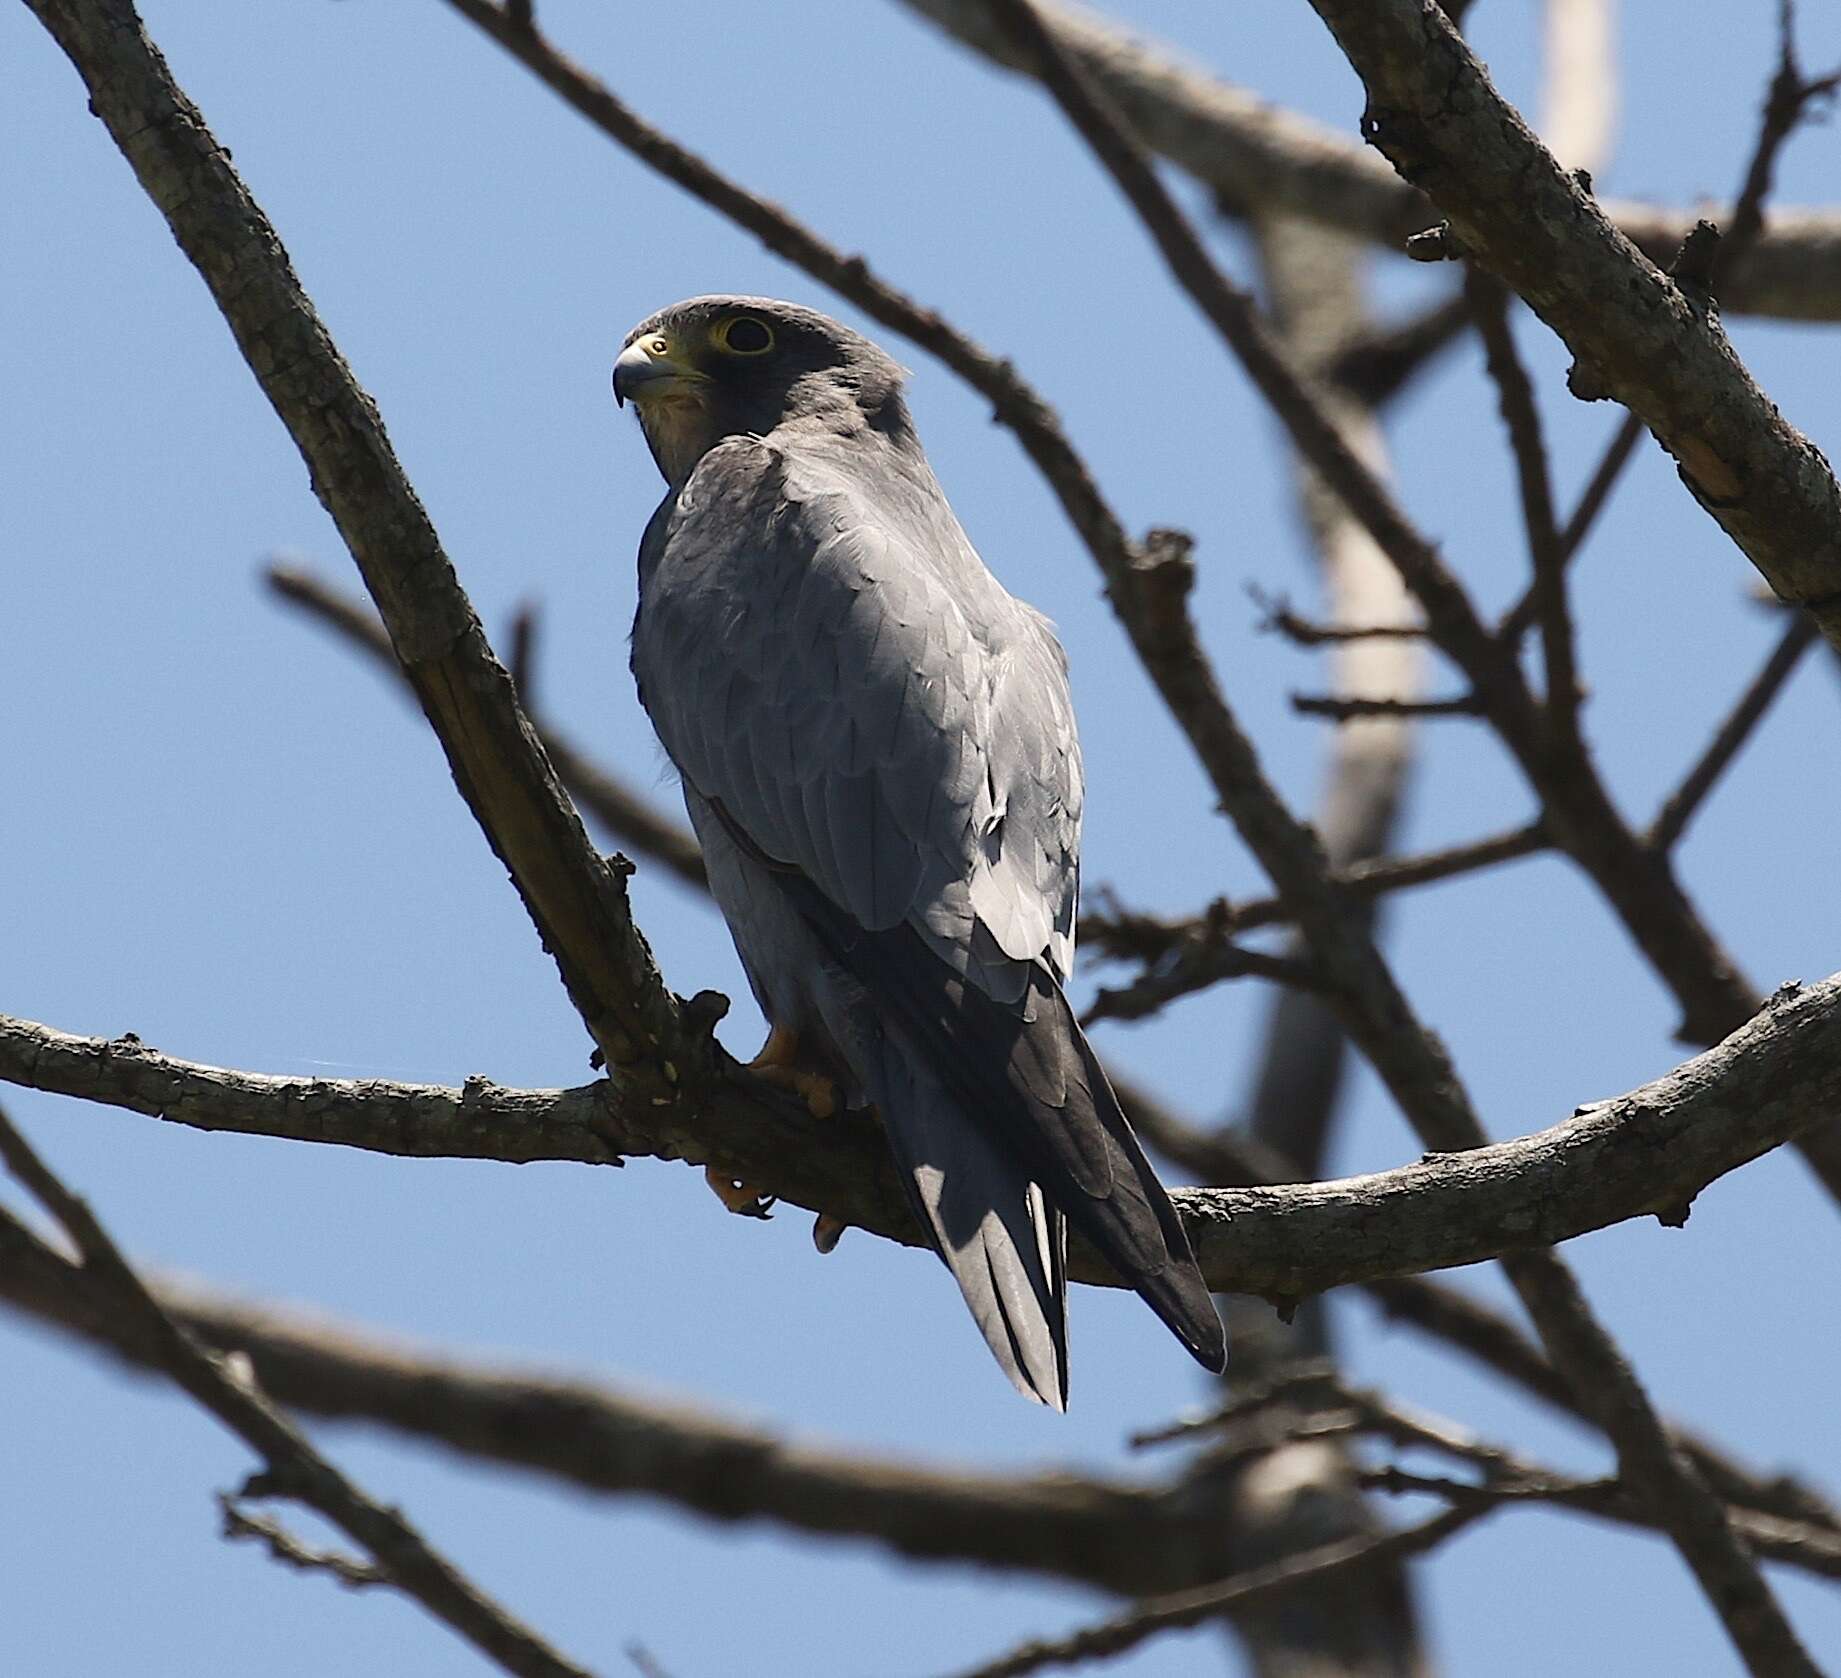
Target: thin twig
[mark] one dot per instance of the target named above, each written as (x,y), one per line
(1788,1542)
(1110,930)
(1786,104)
(1390,874)
(1300,631)
(1489,303)
(1679,808)
(241,1523)
(1199,965)
(629,817)
(1258,1584)
(1352,707)
(1809,1539)
(292,1467)
(1597,492)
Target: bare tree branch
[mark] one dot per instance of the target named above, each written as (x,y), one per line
(1132,934)
(628,816)
(1373,366)
(1296,1495)
(577,901)
(1592,500)
(1730,737)
(1348,708)
(1194,966)
(1259,159)
(1790,1543)
(1190,1608)
(1635,335)
(1300,631)
(1261,1419)
(1232,1157)
(1134,1537)
(1638,884)
(1120,1535)
(1785,106)
(1520,414)
(1412,1063)
(292,1468)
(1648,1152)
(242,1523)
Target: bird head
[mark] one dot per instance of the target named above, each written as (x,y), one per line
(716,367)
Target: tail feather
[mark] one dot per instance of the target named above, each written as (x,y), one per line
(1028,1104)
(992,1226)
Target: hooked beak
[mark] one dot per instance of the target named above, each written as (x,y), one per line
(651,367)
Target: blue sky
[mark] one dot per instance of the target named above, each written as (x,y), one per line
(223,833)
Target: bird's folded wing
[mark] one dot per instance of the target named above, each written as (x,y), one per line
(833,665)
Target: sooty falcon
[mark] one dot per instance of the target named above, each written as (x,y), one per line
(878,754)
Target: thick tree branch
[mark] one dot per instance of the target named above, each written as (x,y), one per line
(1409,1060)
(1120,1535)
(1636,335)
(292,1468)
(1648,1152)
(577,900)
(1148,581)
(1258,159)
(1134,1537)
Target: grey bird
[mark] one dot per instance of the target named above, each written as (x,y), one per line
(877,750)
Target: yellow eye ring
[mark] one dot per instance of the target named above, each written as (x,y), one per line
(745,335)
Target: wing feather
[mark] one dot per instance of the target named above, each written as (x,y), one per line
(869,706)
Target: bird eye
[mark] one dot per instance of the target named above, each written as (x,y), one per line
(658,346)
(744,335)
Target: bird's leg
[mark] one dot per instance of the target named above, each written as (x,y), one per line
(778,1064)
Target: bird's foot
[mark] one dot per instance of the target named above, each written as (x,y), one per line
(743,1199)
(778,1064)
(827,1231)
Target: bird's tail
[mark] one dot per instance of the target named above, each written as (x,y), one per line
(1027,1118)
(1005,1245)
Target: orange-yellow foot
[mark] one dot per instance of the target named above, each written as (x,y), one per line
(743,1199)
(778,1064)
